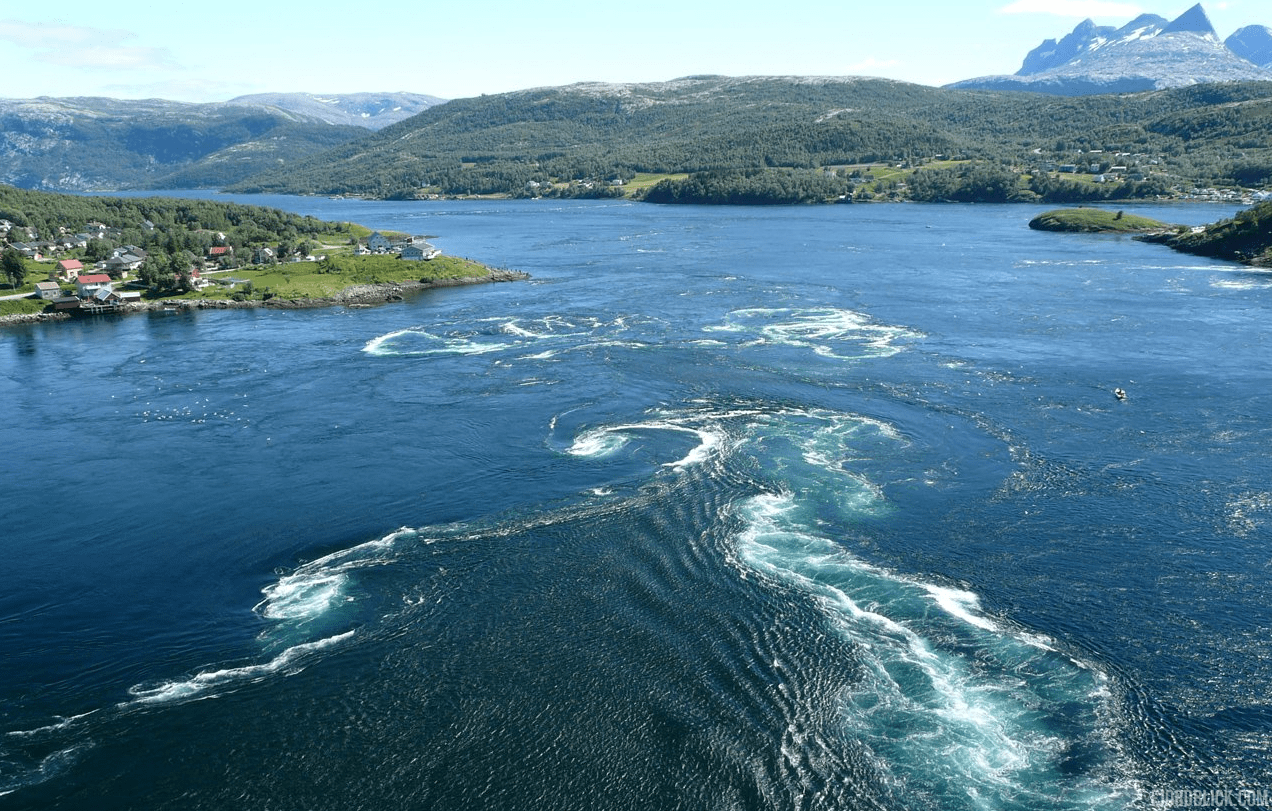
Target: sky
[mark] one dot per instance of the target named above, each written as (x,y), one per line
(215,52)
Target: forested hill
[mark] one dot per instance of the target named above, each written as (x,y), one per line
(520,143)
(85,144)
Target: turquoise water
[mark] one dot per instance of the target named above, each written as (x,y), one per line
(725,508)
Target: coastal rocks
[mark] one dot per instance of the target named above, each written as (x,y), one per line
(31,318)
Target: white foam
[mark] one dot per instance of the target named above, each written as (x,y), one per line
(827,331)
(513,328)
(1234,284)
(318,586)
(597,443)
(62,723)
(926,707)
(602,442)
(375,346)
(709,441)
(414,341)
(301,595)
(196,685)
(961,604)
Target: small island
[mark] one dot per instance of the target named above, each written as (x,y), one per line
(66,256)
(1098,221)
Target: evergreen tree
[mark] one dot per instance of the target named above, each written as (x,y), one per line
(15,269)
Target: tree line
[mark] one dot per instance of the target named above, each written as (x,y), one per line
(506,144)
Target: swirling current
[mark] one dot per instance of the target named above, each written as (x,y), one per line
(794,508)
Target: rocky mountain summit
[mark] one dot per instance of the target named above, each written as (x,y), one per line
(1252,43)
(371,110)
(1148,53)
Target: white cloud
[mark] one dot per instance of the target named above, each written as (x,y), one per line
(80,47)
(1073,8)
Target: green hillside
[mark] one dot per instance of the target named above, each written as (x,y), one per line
(822,138)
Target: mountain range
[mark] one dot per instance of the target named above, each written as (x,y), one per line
(86,144)
(1210,123)
(1148,53)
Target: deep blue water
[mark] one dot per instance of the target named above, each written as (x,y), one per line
(725,508)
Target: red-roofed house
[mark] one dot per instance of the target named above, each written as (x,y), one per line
(220,250)
(90,284)
(66,270)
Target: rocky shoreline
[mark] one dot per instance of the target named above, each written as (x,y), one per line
(358,295)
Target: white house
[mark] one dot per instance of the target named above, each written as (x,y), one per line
(419,252)
(378,242)
(48,290)
(89,284)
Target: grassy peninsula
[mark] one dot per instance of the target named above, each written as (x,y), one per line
(1245,238)
(156,252)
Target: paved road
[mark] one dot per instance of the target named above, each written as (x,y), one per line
(16,295)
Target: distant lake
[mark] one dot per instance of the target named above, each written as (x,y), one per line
(810,507)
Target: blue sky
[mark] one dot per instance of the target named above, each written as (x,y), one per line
(213,52)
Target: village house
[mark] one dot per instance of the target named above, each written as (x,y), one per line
(48,290)
(419,252)
(378,242)
(263,256)
(220,252)
(28,250)
(88,285)
(67,270)
(123,262)
(104,297)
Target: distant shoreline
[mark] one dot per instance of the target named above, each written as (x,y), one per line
(354,296)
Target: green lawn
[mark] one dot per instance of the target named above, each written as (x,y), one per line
(645,180)
(22,306)
(325,279)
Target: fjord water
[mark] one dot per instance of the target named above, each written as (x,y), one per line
(725,508)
